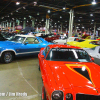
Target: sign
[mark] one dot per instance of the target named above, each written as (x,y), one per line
(19,27)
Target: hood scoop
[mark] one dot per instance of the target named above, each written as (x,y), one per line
(83,72)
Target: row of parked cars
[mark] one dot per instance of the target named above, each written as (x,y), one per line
(68,71)
(89,45)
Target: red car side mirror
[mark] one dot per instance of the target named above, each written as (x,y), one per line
(42,56)
(92,59)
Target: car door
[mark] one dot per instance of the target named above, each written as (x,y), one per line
(30,46)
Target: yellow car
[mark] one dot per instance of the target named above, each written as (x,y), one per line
(85,43)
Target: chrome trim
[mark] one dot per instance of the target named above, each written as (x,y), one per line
(17,53)
(24,40)
(7,50)
(27,52)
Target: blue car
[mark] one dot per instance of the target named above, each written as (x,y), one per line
(21,45)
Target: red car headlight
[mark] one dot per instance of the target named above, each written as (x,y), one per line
(57,95)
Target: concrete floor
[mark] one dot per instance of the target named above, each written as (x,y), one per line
(20,76)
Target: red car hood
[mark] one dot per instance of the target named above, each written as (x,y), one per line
(70,75)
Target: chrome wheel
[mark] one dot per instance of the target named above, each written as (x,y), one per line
(8,57)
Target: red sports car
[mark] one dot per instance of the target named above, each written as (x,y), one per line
(50,38)
(68,73)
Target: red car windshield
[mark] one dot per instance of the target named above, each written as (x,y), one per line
(68,54)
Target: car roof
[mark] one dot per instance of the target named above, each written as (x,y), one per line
(26,35)
(63,46)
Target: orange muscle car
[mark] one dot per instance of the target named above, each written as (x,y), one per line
(68,73)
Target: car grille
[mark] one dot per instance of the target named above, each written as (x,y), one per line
(87,97)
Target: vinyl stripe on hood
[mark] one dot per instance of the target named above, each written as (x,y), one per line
(73,67)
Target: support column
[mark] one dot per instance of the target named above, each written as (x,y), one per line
(13,26)
(75,31)
(94,30)
(7,25)
(47,25)
(66,30)
(61,27)
(58,30)
(24,24)
(3,25)
(18,22)
(33,22)
(71,23)
(10,26)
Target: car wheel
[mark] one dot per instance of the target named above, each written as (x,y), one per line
(43,94)
(7,57)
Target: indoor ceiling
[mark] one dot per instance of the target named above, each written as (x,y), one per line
(85,14)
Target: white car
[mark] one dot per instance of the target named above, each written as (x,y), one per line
(65,40)
(61,41)
(94,52)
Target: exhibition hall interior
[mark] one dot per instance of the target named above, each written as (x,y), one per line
(49,49)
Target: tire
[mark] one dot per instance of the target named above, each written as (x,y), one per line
(39,67)
(44,94)
(7,57)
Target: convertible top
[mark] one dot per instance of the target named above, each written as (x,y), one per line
(26,35)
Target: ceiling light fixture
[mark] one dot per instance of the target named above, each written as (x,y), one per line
(49,11)
(24,8)
(83,27)
(17,3)
(35,3)
(38,13)
(91,14)
(60,16)
(64,8)
(93,2)
(42,19)
(11,13)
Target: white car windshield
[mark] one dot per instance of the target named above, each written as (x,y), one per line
(18,39)
(68,54)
